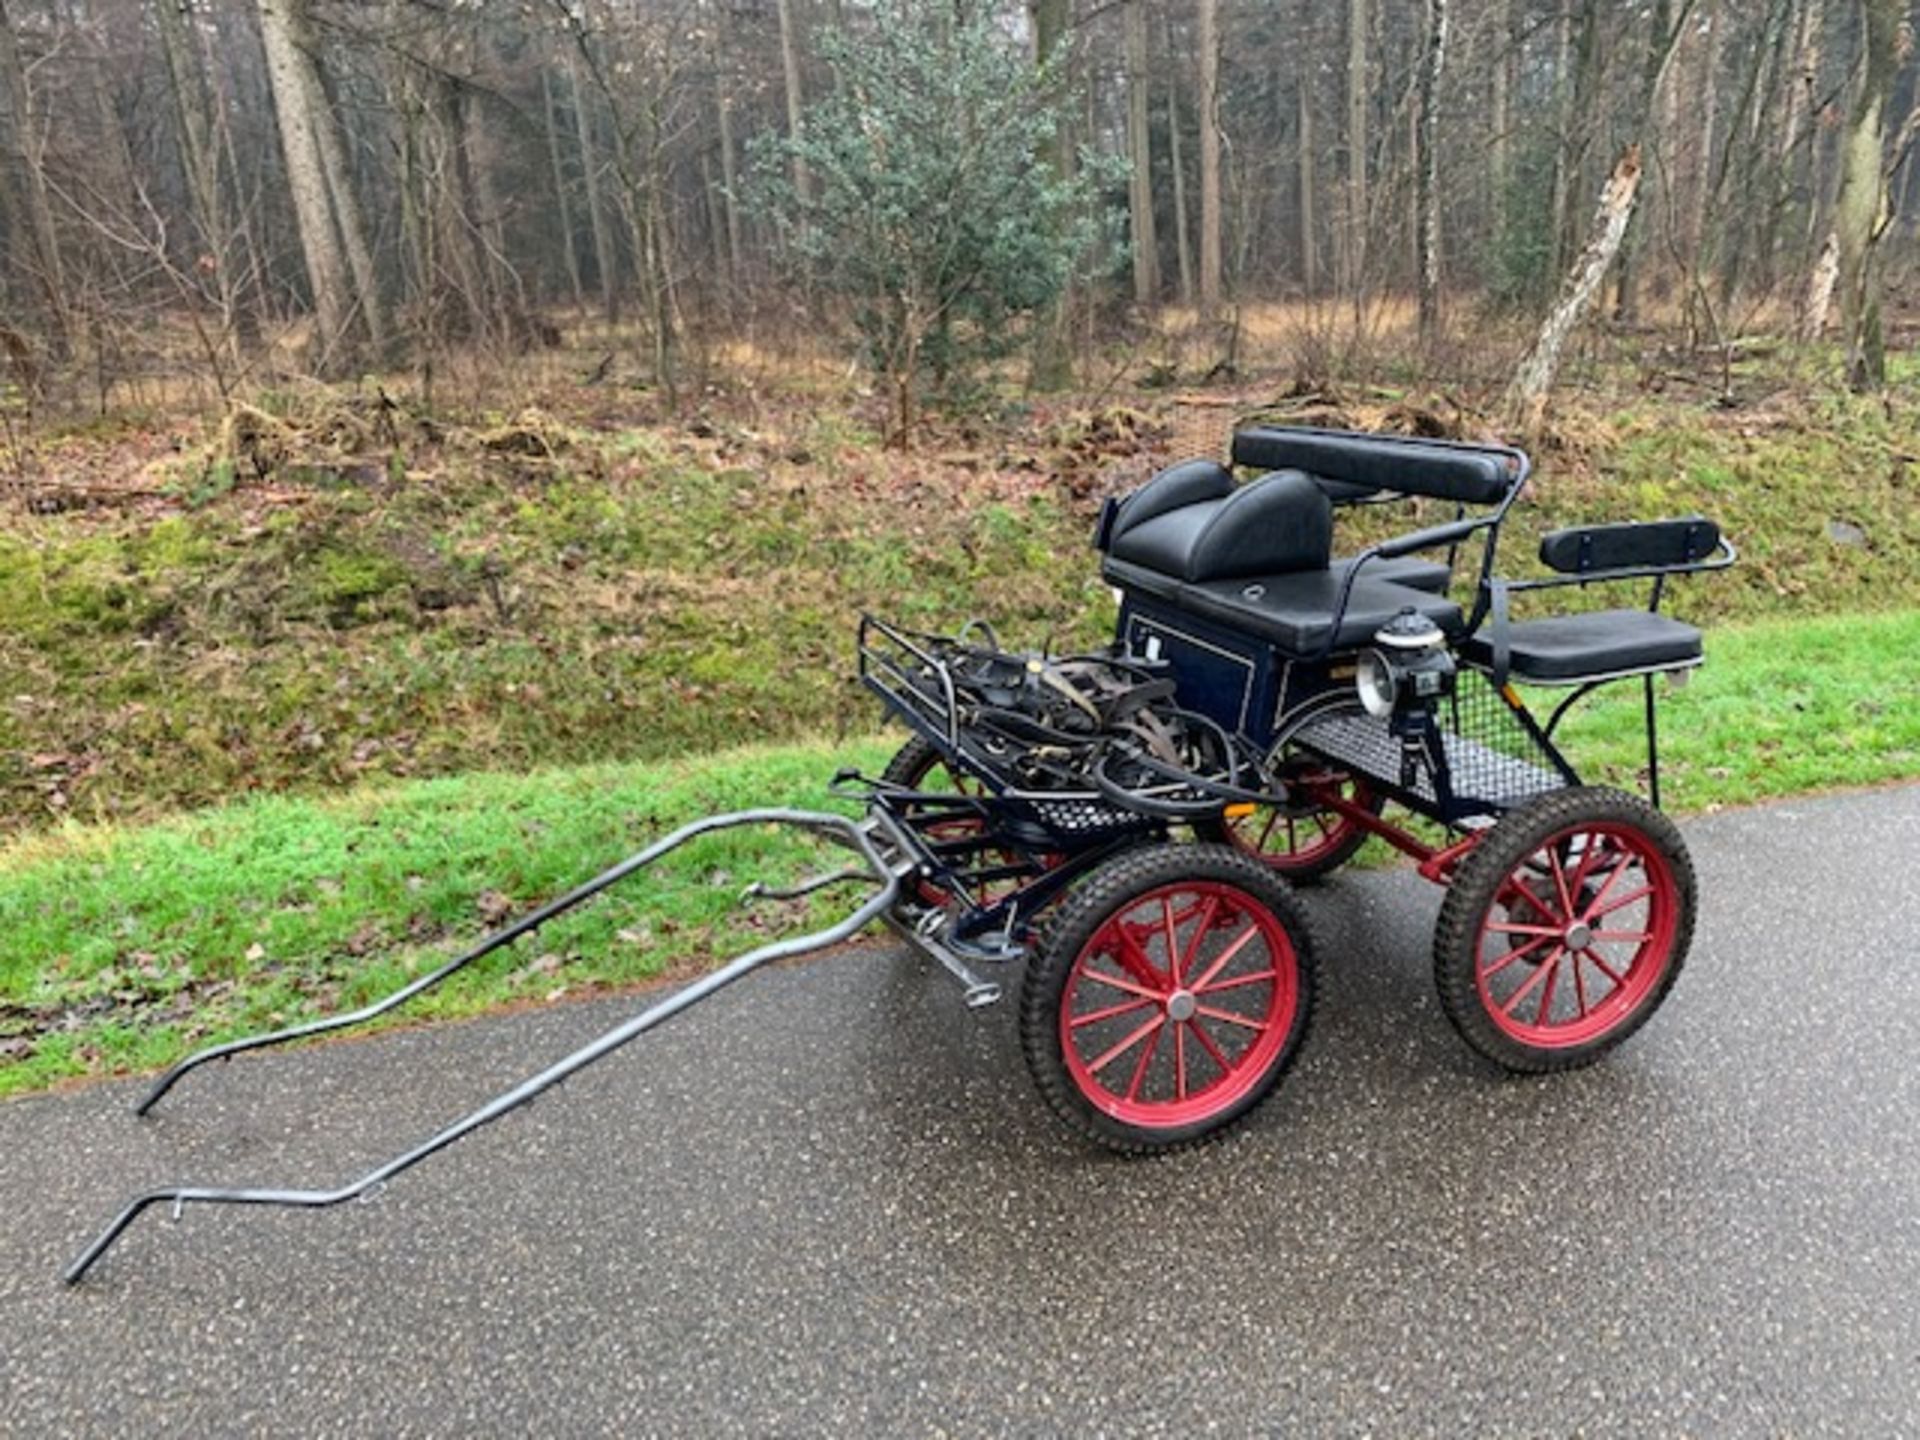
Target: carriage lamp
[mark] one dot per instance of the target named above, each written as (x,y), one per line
(1408,669)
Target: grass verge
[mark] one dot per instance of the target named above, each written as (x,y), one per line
(125,947)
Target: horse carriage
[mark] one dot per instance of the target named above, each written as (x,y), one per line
(1129,825)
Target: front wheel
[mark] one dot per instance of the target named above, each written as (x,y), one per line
(1170,993)
(1564,929)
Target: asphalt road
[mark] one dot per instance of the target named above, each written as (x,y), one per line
(828,1200)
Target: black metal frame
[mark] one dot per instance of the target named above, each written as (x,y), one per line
(884,855)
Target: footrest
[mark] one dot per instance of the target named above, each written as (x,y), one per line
(1359,743)
(1568,649)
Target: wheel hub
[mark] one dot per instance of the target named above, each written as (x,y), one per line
(1579,936)
(1180,1006)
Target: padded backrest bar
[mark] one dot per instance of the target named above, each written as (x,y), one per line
(1470,474)
(1628,544)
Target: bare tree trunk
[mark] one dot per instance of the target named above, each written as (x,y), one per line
(1526,394)
(1354,276)
(28,129)
(1145,243)
(1715,38)
(1427,174)
(306,179)
(605,261)
(1819,296)
(1563,87)
(1309,250)
(1208,45)
(1663,41)
(729,168)
(1182,224)
(1500,144)
(1052,359)
(198,158)
(563,202)
(790,74)
(1815,19)
(729,193)
(339,178)
(1860,217)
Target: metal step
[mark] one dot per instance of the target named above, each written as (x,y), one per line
(1363,744)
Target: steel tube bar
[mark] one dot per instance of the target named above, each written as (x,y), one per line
(874,907)
(498,940)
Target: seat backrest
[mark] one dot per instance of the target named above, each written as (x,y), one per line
(1442,469)
(1629,544)
(1188,483)
(1275,525)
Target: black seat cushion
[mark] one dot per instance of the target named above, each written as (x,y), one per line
(1413,570)
(1293,612)
(1278,523)
(1576,647)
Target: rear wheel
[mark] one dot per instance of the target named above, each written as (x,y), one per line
(1564,929)
(1172,990)
(1299,838)
(919,765)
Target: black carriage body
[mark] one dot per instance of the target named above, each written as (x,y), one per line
(1234,678)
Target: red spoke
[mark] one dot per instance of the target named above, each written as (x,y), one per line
(1544,1015)
(1560,880)
(1293,837)
(1173,942)
(1505,929)
(1227,1017)
(1225,957)
(1200,928)
(1625,937)
(1319,818)
(1579,988)
(1179,1062)
(1094,1017)
(1238,981)
(1494,967)
(1125,1045)
(1595,911)
(1146,1059)
(1605,969)
(1213,1050)
(1522,893)
(1087,972)
(1134,960)
(1266,833)
(1606,887)
(1525,988)
(1596,847)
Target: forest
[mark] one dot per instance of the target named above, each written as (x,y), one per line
(202,196)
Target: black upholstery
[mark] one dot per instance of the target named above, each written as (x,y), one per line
(1277,524)
(1412,570)
(1446,471)
(1188,483)
(1293,611)
(1561,648)
(1639,542)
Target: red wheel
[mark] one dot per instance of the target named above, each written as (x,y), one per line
(1170,995)
(1300,839)
(919,765)
(1565,929)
